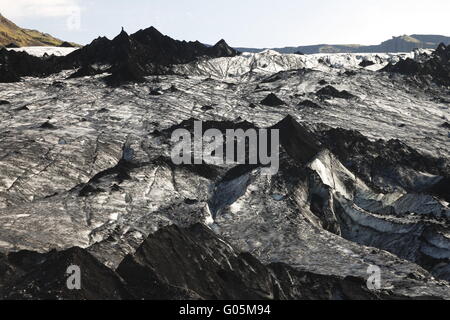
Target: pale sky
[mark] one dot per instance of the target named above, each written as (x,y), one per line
(242,23)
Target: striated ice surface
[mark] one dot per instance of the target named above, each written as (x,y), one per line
(41,51)
(101,178)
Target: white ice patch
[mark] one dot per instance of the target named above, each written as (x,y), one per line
(270,62)
(41,51)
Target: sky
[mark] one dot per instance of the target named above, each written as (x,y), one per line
(242,23)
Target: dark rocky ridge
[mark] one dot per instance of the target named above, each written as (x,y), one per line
(12,46)
(436,68)
(66,44)
(85,71)
(13,36)
(126,71)
(37,276)
(115,141)
(332,92)
(371,158)
(308,104)
(148,50)
(396,44)
(295,138)
(366,63)
(272,101)
(372,161)
(174,263)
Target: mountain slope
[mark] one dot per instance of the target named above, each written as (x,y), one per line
(10,33)
(396,44)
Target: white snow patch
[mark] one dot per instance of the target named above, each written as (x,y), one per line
(41,51)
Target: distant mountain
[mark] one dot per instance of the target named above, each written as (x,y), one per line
(145,52)
(396,44)
(13,35)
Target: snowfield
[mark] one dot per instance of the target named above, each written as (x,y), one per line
(41,51)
